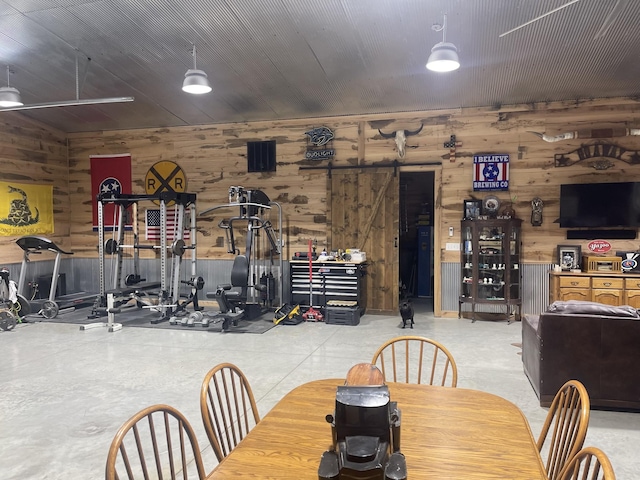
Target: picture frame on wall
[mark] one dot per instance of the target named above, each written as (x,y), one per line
(471,209)
(569,256)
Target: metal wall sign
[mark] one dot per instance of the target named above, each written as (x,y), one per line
(320,144)
(600,151)
(165,176)
(490,172)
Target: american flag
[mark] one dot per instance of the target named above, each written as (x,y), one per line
(152,224)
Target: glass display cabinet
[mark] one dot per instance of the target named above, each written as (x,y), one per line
(490,262)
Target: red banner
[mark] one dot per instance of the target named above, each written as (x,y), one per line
(109,173)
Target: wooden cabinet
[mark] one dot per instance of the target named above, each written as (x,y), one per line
(490,264)
(607,288)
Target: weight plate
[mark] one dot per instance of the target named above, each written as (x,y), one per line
(111,246)
(7,321)
(22,306)
(49,309)
(177,247)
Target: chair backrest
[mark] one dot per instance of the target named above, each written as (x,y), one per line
(413,359)
(157,442)
(565,427)
(590,463)
(364,374)
(228,408)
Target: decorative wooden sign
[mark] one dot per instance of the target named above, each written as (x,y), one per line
(452,144)
(600,151)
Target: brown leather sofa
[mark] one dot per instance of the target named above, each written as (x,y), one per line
(594,343)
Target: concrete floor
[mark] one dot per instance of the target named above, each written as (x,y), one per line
(65,392)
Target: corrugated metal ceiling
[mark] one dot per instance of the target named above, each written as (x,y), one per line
(278,59)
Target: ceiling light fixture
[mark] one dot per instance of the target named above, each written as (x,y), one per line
(444,55)
(195,81)
(4,107)
(9,96)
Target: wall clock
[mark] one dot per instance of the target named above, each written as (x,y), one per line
(491,205)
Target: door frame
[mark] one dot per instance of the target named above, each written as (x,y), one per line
(437,219)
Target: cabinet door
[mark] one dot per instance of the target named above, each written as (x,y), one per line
(632,297)
(574,294)
(492,262)
(608,296)
(515,276)
(466,260)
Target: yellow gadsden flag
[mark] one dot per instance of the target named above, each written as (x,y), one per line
(25,209)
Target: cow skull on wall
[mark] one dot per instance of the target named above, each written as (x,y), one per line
(400,137)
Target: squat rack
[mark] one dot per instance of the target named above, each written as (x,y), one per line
(135,287)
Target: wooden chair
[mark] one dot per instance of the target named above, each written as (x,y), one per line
(590,463)
(228,408)
(412,359)
(157,442)
(569,416)
(364,374)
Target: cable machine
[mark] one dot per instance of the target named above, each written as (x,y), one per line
(250,271)
(163,295)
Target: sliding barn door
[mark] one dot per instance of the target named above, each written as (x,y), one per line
(363,214)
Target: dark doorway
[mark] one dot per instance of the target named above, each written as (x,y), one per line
(416,235)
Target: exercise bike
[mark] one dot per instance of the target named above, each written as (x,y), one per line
(12,305)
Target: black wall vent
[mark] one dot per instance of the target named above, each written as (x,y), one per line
(261,156)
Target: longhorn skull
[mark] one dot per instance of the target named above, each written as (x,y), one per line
(401,138)
(595,133)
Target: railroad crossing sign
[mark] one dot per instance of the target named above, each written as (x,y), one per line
(165,176)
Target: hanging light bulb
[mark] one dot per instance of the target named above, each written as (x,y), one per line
(195,81)
(444,55)
(9,96)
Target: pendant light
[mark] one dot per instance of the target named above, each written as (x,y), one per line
(444,55)
(195,81)
(9,96)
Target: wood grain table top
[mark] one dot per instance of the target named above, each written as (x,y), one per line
(445,433)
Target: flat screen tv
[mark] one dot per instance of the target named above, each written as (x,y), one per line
(600,205)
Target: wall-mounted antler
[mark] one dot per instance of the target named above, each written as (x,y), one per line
(400,137)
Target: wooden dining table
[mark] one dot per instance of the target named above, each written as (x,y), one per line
(445,433)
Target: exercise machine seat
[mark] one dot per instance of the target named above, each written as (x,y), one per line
(229,299)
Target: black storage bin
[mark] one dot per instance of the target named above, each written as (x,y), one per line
(342,315)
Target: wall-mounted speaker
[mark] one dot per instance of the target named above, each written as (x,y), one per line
(605,234)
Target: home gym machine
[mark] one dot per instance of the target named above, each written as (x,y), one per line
(166,295)
(252,290)
(54,305)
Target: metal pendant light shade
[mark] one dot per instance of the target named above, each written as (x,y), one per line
(444,55)
(9,96)
(195,81)
(443,58)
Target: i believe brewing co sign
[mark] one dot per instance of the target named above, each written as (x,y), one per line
(490,172)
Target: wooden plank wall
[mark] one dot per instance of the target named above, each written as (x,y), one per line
(214,158)
(36,154)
